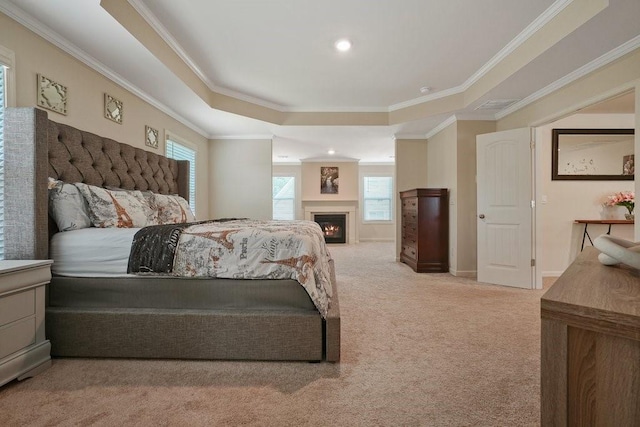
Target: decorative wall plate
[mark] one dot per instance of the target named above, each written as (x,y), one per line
(112,108)
(52,95)
(151,136)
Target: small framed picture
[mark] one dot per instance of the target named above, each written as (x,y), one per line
(329,180)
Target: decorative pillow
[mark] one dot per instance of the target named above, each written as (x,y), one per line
(67,207)
(172,209)
(113,208)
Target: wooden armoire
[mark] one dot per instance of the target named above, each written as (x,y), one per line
(425,229)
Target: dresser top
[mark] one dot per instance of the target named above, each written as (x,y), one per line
(589,289)
(10,266)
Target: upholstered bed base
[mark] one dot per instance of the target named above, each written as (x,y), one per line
(36,148)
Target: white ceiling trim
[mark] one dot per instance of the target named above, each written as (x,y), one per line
(48,34)
(248,136)
(157,26)
(442,126)
(529,31)
(409,136)
(573,109)
(597,63)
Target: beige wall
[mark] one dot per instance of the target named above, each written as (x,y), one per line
(411,172)
(348,188)
(571,200)
(240,178)
(86,89)
(442,173)
(466,200)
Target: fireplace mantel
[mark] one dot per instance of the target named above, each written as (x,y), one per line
(348,208)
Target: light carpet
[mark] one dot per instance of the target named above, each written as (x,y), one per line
(417,350)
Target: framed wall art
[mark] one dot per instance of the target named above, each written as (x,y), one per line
(52,95)
(329,180)
(112,108)
(152,136)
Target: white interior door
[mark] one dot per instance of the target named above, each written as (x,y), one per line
(504,185)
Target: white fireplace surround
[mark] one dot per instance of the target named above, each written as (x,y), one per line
(350,211)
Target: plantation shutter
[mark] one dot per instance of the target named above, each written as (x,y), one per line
(180,152)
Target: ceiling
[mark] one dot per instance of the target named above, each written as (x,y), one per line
(268,68)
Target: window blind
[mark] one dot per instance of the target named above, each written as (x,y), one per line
(377,198)
(2,107)
(284,197)
(178,151)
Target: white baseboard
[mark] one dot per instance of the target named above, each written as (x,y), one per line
(552,273)
(374,239)
(472,274)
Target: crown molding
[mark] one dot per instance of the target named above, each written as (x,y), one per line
(240,137)
(162,31)
(542,20)
(586,69)
(410,136)
(443,125)
(17,14)
(524,35)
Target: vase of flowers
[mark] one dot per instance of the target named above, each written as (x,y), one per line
(623,198)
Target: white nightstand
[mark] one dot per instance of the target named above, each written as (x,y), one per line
(24,351)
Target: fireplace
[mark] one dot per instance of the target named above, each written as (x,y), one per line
(334,227)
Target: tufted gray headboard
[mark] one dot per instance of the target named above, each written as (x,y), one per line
(36,148)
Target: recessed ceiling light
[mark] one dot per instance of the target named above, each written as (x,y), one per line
(283,157)
(425,89)
(331,152)
(343,45)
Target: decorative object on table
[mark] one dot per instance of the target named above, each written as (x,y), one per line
(52,95)
(623,198)
(112,108)
(151,136)
(329,180)
(615,250)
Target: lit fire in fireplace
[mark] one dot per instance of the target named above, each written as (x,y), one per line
(330,230)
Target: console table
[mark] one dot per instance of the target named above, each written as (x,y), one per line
(590,346)
(608,222)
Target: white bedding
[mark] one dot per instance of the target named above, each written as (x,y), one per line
(92,252)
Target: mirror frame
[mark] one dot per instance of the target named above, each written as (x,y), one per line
(555,142)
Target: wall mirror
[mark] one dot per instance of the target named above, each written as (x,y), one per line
(592,154)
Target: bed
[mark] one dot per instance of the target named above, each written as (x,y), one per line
(145,316)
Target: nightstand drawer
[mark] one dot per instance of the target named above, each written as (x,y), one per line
(17,306)
(17,336)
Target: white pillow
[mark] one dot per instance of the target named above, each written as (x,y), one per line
(67,207)
(116,208)
(171,209)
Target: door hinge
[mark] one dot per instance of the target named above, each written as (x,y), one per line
(533,262)
(532,144)
(533,203)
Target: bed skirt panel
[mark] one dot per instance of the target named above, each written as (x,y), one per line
(185,334)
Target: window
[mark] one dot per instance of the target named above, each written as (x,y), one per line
(284,197)
(2,106)
(378,198)
(180,151)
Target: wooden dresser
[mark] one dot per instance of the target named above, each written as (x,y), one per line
(590,359)
(425,229)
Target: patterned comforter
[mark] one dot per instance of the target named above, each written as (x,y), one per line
(238,249)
